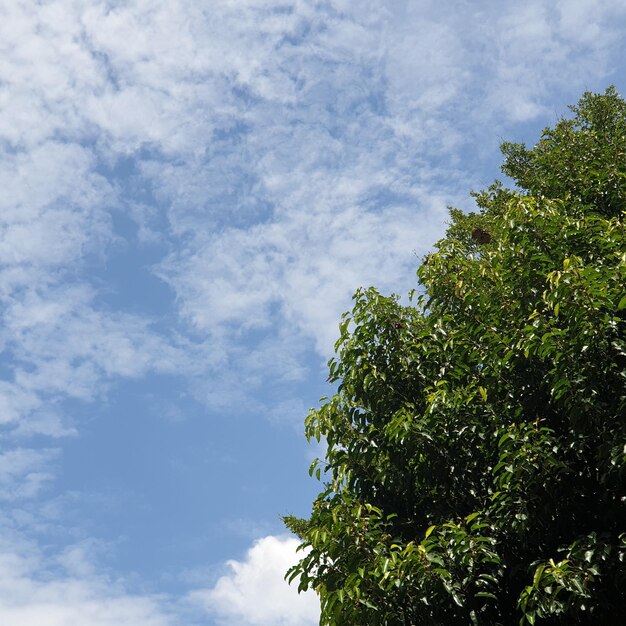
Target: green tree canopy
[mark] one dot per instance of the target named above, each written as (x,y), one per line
(476,444)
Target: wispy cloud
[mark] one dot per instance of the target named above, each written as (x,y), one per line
(46,588)
(295,151)
(29,596)
(62,347)
(23,472)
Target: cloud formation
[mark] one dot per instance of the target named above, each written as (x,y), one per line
(33,594)
(254,593)
(284,155)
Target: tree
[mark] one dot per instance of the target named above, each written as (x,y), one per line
(476,444)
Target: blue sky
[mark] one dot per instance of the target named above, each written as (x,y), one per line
(191,193)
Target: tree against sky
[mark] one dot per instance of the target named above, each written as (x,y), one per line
(476,443)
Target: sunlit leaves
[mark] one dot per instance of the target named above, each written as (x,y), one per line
(476,443)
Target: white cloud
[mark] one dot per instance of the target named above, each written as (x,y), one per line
(65,590)
(590,22)
(24,471)
(270,132)
(51,208)
(254,592)
(64,346)
(315,165)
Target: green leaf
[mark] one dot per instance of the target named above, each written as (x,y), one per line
(490,408)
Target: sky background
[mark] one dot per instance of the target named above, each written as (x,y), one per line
(191,192)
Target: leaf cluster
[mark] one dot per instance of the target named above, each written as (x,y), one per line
(476,443)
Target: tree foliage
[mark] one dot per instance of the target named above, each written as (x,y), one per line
(476,444)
